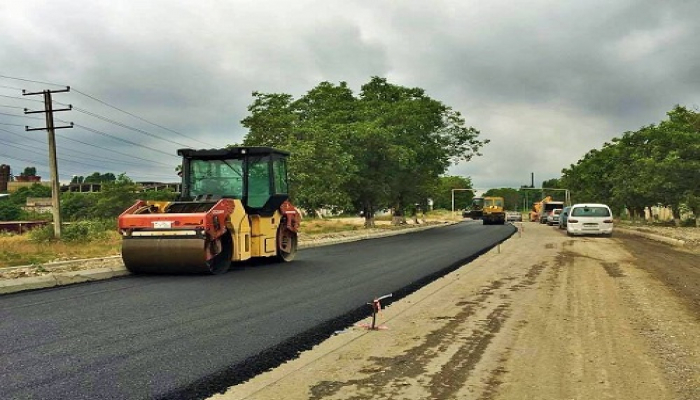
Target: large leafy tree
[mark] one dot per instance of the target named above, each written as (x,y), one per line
(656,165)
(314,130)
(386,147)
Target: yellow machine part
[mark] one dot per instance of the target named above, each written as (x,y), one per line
(264,235)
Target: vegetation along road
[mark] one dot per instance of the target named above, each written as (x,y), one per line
(543,317)
(191,336)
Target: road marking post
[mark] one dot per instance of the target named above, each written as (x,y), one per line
(376,308)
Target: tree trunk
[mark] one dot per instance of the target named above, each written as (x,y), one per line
(397,216)
(368,213)
(676,210)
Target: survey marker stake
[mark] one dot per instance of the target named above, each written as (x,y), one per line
(376,308)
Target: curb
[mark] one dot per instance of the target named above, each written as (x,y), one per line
(53,279)
(652,236)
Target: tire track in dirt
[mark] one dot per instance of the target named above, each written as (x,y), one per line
(451,355)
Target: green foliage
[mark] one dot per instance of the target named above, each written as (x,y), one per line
(28,171)
(85,231)
(114,198)
(74,232)
(159,195)
(77,206)
(11,207)
(386,147)
(442,195)
(656,165)
(97,177)
(9,211)
(20,196)
(41,234)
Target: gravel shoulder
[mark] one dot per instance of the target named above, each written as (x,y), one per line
(542,316)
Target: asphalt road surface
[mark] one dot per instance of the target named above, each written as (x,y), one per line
(191,336)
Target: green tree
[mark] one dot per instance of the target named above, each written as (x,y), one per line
(20,196)
(159,195)
(97,177)
(77,206)
(9,211)
(657,164)
(386,147)
(28,171)
(442,194)
(114,198)
(313,129)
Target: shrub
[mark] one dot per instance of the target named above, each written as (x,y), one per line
(84,231)
(41,234)
(81,231)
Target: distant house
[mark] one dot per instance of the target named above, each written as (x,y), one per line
(39,205)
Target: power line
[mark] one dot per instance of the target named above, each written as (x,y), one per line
(20,98)
(98,132)
(127,126)
(113,151)
(75,172)
(152,162)
(123,140)
(84,155)
(22,116)
(30,80)
(140,118)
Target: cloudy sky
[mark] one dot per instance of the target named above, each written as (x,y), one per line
(545,81)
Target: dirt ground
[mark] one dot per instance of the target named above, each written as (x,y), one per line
(543,316)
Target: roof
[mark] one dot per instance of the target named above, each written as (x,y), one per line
(230,152)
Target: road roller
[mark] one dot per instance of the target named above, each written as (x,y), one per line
(233,206)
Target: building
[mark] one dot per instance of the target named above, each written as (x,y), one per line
(14,185)
(39,205)
(4,177)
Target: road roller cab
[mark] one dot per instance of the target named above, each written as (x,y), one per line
(234,206)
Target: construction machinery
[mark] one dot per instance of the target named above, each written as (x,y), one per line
(493,211)
(536,207)
(476,211)
(233,206)
(547,208)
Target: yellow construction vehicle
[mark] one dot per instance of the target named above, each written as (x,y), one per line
(536,209)
(493,211)
(233,206)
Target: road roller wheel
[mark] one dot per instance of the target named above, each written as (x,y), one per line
(221,263)
(286,244)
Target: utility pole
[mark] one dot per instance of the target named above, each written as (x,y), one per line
(53,163)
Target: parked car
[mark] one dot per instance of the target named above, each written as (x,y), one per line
(553,217)
(514,216)
(593,219)
(563,217)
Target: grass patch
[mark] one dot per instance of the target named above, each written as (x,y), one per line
(23,250)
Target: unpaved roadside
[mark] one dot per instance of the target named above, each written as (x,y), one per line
(543,316)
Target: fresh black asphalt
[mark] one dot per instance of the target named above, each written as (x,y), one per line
(169,337)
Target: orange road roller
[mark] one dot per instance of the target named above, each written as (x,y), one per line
(234,206)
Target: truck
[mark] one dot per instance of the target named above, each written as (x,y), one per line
(548,206)
(493,211)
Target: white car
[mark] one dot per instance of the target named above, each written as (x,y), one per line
(589,219)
